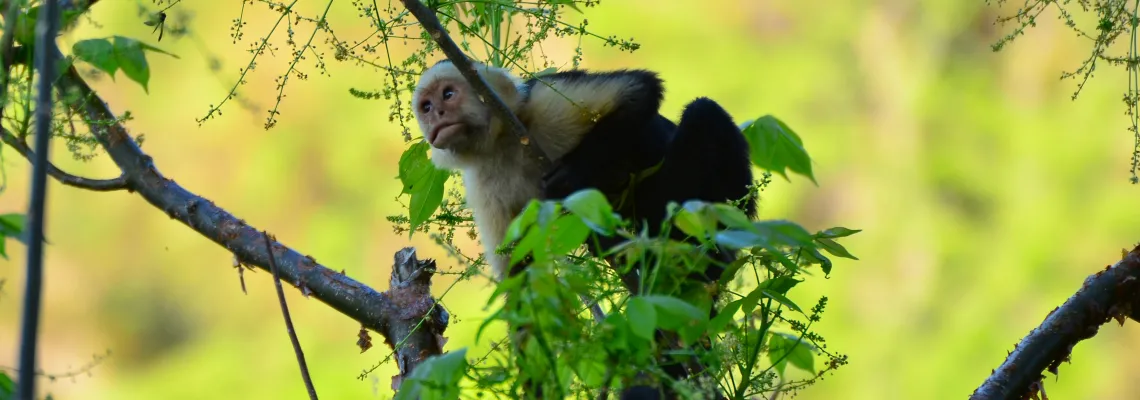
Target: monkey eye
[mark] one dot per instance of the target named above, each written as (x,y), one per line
(448,93)
(425,106)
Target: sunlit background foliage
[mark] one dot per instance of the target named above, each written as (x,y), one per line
(985,194)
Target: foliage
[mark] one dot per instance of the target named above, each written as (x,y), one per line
(776,147)
(8,388)
(567,352)
(11,226)
(1113,19)
(118,53)
(437,378)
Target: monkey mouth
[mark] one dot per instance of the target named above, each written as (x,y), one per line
(444,134)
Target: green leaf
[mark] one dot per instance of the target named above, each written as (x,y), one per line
(837,232)
(414,166)
(592,370)
(748,303)
(786,232)
(780,284)
(423,181)
(591,205)
(521,222)
(691,223)
(835,248)
(529,243)
(7,386)
(674,313)
(782,300)
(724,317)
(12,225)
(130,57)
(767,234)
(567,233)
(99,53)
(437,378)
(777,348)
(642,317)
(26,26)
(740,239)
(26,22)
(732,217)
(730,271)
(426,200)
(776,147)
(797,351)
(802,358)
(533,242)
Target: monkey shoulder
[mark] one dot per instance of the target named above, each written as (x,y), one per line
(563,107)
(578,91)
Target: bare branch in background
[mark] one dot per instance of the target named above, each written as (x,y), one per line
(396,315)
(1113,293)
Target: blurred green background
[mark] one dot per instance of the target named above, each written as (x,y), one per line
(985,193)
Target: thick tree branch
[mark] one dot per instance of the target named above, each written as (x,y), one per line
(398,315)
(432,25)
(1113,293)
(99,185)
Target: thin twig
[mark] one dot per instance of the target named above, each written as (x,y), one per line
(595,309)
(604,394)
(46,28)
(69,374)
(98,185)
(288,321)
(432,25)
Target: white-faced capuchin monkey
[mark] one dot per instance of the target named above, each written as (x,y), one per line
(598,128)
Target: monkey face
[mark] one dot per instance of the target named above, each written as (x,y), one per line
(461,129)
(451,116)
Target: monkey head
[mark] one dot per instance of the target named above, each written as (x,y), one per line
(454,120)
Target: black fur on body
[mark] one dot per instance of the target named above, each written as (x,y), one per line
(600,128)
(705,157)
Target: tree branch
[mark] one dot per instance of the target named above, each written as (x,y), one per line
(432,25)
(398,315)
(99,185)
(1113,293)
(47,25)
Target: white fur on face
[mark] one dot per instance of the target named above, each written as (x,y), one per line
(505,85)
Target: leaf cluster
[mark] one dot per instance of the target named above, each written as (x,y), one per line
(758,328)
